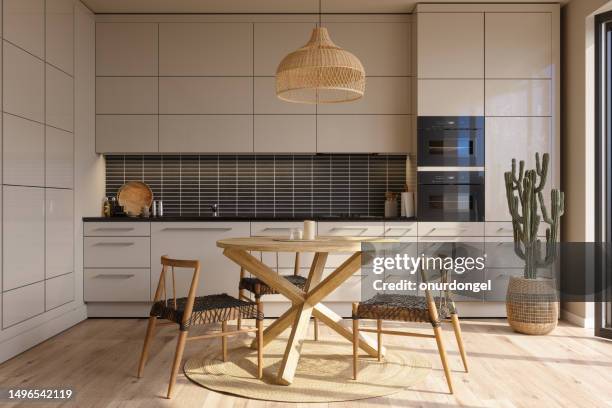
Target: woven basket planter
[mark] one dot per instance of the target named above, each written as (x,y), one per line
(532,305)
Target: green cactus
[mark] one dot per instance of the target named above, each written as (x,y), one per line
(526,190)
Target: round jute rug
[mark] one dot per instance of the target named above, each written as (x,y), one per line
(324,373)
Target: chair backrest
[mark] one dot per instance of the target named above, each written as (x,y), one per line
(168,263)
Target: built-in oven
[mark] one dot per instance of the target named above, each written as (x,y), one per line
(451,196)
(456,141)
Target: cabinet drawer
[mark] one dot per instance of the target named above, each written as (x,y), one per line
(116,285)
(23,303)
(351,229)
(401,229)
(274,229)
(504,229)
(116,229)
(116,252)
(451,229)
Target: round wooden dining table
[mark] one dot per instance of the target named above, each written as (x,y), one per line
(307,302)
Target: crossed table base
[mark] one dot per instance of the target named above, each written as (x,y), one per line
(304,303)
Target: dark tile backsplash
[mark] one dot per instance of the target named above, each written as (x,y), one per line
(263,185)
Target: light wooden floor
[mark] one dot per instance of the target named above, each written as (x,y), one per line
(98,358)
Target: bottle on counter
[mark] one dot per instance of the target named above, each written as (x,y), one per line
(106,207)
(154,210)
(160,208)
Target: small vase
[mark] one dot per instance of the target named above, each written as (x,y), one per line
(532,305)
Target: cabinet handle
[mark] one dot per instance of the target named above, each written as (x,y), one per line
(277,229)
(221,229)
(398,229)
(114,276)
(113,244)
(114,229)
(349,229)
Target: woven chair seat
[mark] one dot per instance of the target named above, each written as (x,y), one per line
(406,308)
(206,309)
(250,284)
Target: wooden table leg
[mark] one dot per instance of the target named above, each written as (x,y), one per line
(300,325)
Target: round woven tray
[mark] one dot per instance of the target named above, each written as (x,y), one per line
(324,373)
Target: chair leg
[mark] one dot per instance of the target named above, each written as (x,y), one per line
(379,338)
(438,334)
(147,342)
(355,341)
(316,329)
(239,320)
(224,341)
(178,355)
(259,324)
(459,337)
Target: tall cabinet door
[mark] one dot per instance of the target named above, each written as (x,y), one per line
(59,232)
(196,240)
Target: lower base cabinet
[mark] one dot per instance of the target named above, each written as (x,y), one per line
(116,285)
(22,303)
(59,291)
(196,240)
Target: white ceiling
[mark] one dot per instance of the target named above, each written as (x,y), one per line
(271,6)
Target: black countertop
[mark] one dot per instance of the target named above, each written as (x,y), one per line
(245,219)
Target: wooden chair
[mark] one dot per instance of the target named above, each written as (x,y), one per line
(409,308)
(197,310)
(259,288)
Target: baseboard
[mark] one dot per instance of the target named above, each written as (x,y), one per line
(580,321)
(36,335)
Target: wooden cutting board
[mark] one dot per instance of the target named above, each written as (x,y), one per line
(133,196)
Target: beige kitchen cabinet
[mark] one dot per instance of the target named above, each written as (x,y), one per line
(116,252)
(126,134)
(518,45)
(205,133)
(516,97)
(24,24)
(126,49)
(509,138)
(59,29)
(382,47)
(384,95)
(266,101)
(23,82)
(59,232)
(348,229)
(59,291)
(285,134)
(205,49)
(23,152)
(59,94)
(273,41)
(117,229)
(364,133)
(59,158)
(450,45)
(205,95)
(450,97)
(24,236)
(116,285)
(22,303)
(430,229)
(126,95)
(495,229)
(401,229)
(197,240)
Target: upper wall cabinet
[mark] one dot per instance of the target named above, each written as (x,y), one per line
(384,95)
(124,49)
(201,49)
(451,97)
(126,95)
(205,95)
(24,25)
(273,41)
(383,48)
(266,101)
(23,83)
(519,45)
(518,97)
(126,133)
(59,29)
(450,45)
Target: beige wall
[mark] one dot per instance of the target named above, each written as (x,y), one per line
(577,137)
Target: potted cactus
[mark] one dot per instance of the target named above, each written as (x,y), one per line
(532,303)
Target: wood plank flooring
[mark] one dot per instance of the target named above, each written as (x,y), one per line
(99,357)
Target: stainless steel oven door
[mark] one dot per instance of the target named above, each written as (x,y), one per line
(451,202)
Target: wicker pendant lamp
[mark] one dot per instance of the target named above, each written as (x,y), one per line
(320,72)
